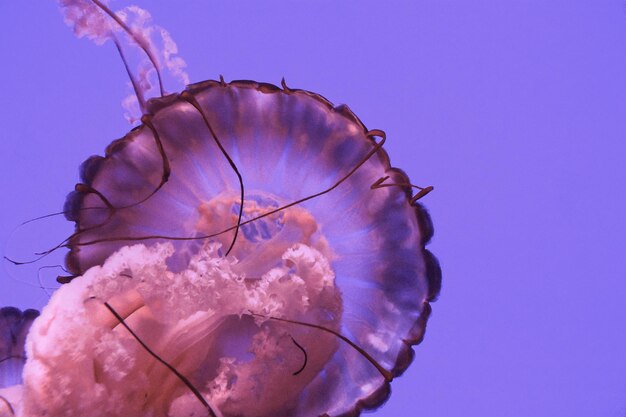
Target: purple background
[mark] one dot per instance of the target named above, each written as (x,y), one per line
(514,110)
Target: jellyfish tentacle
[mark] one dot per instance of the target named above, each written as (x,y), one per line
(41,255)
(306,356)
(82,189)
(140,98)
(65,279)
(372,152)
(8,404)
(146,119)
(388,376)
(40,280)
(88,189)
(421,193)
(32,261)
(283,84)
(145,48)
(189,98)
(9,357)
(295,146)
(180,376)
(374,133)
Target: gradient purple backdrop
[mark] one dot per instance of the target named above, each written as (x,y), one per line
(514,110)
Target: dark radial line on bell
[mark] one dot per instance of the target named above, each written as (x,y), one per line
(180,376)
(188,97)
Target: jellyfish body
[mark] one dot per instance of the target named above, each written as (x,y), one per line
(14,326)
(315,308)
(247,251)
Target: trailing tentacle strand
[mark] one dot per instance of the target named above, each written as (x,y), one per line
(188,97)
(421,193)
(385,373)
(180,376)
(139,42)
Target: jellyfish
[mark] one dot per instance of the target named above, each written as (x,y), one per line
(14,324)
(247,250)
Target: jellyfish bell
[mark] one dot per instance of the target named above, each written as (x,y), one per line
(310,172)
(14,326)
(247,250)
